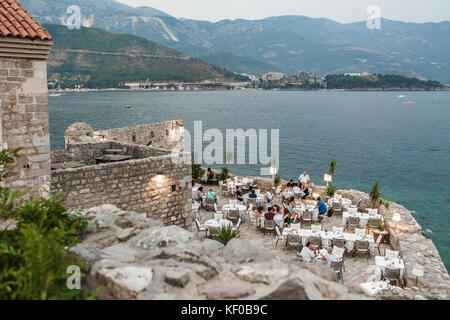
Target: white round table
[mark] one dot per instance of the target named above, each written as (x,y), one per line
(259,198)
(287,194)
(227,207)
(217,224)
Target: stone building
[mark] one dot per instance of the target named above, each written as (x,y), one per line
(24,48)
(151,179)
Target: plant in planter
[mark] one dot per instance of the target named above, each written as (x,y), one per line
(331,190)
(380,231)
(224,173)
(197,172)
(332,168)
(227,234)
(277,180)
(386,204)
(375,195)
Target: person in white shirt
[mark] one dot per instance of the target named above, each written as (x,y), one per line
(303,179)
(308,253)
(330,257)
(268,197)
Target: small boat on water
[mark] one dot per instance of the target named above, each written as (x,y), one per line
(128,106)
(408,101)
(401,96)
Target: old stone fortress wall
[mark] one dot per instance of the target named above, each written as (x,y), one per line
(149,183)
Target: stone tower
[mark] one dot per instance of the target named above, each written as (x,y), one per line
(24,49)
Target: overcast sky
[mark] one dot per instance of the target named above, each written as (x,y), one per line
(338,10)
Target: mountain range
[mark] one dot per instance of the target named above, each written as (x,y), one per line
(285,43)
(99,59)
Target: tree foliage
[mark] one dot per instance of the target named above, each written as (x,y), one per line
(34,239)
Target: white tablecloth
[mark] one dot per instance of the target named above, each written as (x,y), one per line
(373,288)
(259,199)
(382,263)
(364,217)
(217,224)
(240,207)
(306,233)
(346,203)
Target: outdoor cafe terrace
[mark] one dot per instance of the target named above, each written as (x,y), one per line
(369,262)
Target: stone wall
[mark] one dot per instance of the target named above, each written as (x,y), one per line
(416,250)
(87,152)
(24,116)
(162,135)
(155,186)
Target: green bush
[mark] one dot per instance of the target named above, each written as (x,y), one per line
(226,234)
(277,180)
(375,194)
(197,172)
(224,173)
(33,256)
(331,190)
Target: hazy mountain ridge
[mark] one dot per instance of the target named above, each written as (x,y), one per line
(285,43)
(97,58)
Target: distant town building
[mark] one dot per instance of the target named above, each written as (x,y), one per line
(273,76)
(250,76)
(364,74)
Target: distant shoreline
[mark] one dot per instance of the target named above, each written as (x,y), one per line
(245,89)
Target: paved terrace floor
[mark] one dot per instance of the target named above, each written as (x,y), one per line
(357,270)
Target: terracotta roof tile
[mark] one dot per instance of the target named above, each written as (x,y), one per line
(16,21)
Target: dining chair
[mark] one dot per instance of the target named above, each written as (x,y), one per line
(391,254)
(292,240)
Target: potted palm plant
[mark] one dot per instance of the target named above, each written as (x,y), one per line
(375,195)
(380,231)
(277,180)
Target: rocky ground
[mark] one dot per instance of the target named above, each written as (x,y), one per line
(133,257)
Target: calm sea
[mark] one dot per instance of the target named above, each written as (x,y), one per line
(406,147)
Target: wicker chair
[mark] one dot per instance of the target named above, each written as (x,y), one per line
(201,228)
(373,223)
(252,221)
(337,208)
(307,216)
(339,243)
(377,243)
(269,226)
(292,240)
(214,232)
(391,254)
(210,202)
(362,247)
(391,274)
(279,236)
(316,228)
(337,266)
(233,215)
(237,228)
(315,241)
(352,222)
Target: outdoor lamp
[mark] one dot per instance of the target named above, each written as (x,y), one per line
(397,218)
(417,271)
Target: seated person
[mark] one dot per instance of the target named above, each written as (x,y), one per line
(330,257)
(268,197)
(290,184)
(288,217)
(198,195)
(258,211)
(269,214)
(305,191)
(308,253)
(209,175)
(303,179)
(211,195)
(322,208)
(291,205)
(239,194)
(253,195)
